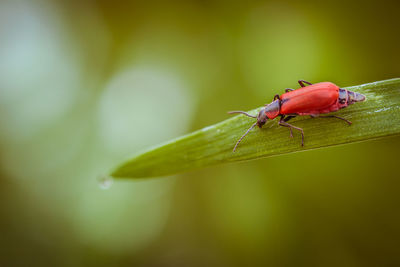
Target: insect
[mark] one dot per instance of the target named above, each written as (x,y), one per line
(310,99)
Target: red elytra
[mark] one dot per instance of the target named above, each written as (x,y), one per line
(313,100)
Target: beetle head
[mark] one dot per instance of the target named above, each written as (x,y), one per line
(270,111)
(262,118)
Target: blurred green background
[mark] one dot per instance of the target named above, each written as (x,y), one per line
(85,84)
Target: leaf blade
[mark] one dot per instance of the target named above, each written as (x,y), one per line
(377,117)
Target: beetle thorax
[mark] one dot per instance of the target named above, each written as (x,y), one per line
(270,111)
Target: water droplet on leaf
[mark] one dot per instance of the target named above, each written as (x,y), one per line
(105,182)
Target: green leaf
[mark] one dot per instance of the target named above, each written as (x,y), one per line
(378,116)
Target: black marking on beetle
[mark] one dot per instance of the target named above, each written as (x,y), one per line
(284,100)
(343,95)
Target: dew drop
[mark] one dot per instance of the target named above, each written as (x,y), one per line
(105,182)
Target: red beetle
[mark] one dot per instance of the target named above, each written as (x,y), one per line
(313,99)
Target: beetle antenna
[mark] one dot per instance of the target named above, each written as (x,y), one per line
(242,112)
(252,126)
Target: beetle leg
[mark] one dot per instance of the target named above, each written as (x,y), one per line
(291,132)
(289,118)
(288,90)
(302,82)
(285,119)
(276,97)
(340,118)
(285,124)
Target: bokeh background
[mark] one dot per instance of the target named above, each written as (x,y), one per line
(84,84)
